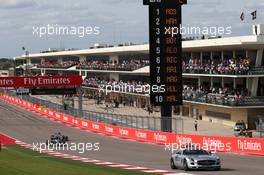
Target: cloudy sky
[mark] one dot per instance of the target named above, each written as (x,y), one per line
(119,21)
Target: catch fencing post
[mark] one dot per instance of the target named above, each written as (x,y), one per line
(154,123)
(148,123)
(80,102)
(142,118)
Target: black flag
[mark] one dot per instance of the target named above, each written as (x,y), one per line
(254,15)
(242,16)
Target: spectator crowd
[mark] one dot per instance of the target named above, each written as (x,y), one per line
(212,95)
(126,65)
(55,64)
(228,66)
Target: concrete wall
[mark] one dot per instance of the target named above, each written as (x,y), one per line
(236,114)
(114,76)
(253,115)
(114,59)
(82,59)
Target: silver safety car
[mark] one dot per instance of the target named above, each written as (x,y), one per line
(195,159)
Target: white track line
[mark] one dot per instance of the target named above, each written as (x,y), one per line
(98,162)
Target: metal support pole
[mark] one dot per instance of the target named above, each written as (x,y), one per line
(137,122)
(148,123)
(175,128)
(182,126)
(80,102)
(155,124)
(15,73)
(166,118)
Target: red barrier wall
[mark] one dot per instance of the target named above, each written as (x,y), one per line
(6,140)
(254,146)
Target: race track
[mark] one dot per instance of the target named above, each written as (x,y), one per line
(31,128)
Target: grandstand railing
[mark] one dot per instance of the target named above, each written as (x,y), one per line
(226,100)
(216,99)
(256,71)
(194,71)
(55,67)
(251,71)
(113,68)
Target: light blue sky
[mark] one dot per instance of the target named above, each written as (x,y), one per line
(120,20)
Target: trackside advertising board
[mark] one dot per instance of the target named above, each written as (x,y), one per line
(252,146)
(41,81)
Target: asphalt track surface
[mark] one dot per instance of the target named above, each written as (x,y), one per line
(31,128)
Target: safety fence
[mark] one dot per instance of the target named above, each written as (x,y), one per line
(131,121)
(254,146)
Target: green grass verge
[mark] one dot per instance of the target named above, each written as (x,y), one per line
(15,160)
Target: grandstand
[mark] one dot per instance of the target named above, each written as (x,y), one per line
(223,77)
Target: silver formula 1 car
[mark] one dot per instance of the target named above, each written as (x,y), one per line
(195,159)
